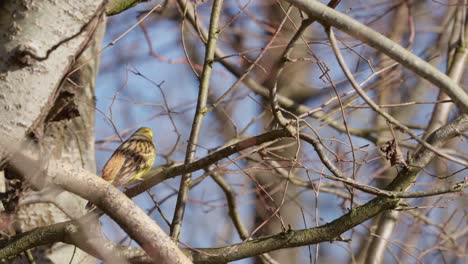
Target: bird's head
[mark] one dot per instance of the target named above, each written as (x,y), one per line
(144,131)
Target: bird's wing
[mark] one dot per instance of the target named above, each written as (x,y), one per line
(132,165)
(113,167)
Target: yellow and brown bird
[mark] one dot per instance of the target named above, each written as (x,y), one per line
(131,160)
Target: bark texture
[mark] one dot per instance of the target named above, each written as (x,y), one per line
(49,106)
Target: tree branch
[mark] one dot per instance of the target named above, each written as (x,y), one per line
(75,232)
(121,209)
(200,113)
(158,175)
(330,17)
(89,185)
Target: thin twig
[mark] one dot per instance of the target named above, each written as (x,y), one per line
(375,107)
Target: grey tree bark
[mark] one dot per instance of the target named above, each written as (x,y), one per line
(47,81)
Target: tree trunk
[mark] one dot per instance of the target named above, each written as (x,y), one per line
(48,108)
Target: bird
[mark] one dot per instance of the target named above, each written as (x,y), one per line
(130,161)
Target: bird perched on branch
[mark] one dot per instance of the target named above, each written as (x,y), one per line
(131,160)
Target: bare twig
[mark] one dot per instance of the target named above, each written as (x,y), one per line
(376,108)
(200,112)
(329,17)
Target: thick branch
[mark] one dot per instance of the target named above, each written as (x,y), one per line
(327,232)
(73,232)
(330,17)
(89,186)
(334,229)
(424,155)
(261,90)
(129,216)
(374,106)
